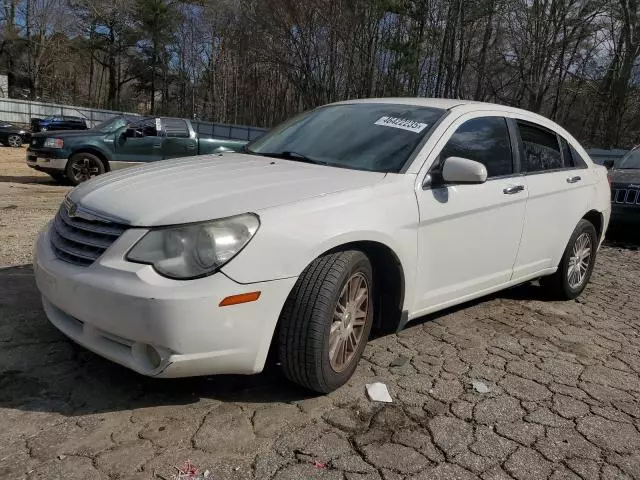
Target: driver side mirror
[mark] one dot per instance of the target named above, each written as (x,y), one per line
(130,132)
(608,164)
(463,170)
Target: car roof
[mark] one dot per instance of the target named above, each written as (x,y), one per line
(440,103)
(447,104)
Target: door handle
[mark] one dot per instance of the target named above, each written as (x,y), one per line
(575,179)
(513,189)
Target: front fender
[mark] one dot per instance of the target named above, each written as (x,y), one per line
(98,150)
(290,237)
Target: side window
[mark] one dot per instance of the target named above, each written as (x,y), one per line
(541,148)
(567,157)
(145,128)
(175,127)
(485,140)
(578,161)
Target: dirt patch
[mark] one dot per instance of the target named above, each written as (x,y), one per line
(28,200)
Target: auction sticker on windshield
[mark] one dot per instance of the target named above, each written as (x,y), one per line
(403,123)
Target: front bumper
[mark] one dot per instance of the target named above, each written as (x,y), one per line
(621,213)
(45,161)
(129,314)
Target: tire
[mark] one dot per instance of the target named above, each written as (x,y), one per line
(82,167)
(305,340)
(15,141)
(563,285)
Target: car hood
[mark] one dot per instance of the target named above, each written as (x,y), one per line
(210,186)
(625,176)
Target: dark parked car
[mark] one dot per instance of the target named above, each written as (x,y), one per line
(124,141)
(625,188)
(58,122)
(13,135)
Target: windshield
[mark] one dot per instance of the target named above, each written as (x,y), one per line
(113,124)
(364,136)
(631,160)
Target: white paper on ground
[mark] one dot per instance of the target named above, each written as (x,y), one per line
(378,392)
(480,387)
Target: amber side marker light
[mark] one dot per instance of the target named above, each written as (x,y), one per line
(241,298)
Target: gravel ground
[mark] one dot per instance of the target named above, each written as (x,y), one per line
(28,200)
(563,381)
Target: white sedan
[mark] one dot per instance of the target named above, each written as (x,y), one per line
(355,215)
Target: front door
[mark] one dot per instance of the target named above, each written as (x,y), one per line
(140,142)
(178,140)
(468,235)
(559,188)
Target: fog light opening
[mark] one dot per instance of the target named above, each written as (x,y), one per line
(154,357)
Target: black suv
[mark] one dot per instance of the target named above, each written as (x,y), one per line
(58,122)
(625,188)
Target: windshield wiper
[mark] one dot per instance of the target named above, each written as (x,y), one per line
(290,155)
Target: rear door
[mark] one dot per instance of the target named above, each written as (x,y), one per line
(144,146)
(179,140)
(560,188)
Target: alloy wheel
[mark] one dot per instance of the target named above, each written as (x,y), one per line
(14,141)
(85,168)
(579,261)
(349,319)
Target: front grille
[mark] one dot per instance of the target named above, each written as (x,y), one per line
(627,196)
(80,241)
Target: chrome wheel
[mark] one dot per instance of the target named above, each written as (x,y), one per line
(579,261)
(14,141)
(349,319)
(85,168)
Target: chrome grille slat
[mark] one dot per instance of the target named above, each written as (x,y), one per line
(93,227)
(626,196)
(79,241)
(70,249)
(69,234)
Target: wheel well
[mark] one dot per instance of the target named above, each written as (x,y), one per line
(596,220)
(388,278)
(389,283)
(97,153)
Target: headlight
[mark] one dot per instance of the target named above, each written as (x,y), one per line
(54,143)
(196,250)
(22,132)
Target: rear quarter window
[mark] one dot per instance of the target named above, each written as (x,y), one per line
(541,148)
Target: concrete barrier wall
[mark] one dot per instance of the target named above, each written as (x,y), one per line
(21,111)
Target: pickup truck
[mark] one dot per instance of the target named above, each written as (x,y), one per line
(126,140)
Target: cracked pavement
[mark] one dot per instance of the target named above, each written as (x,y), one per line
(563,399)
